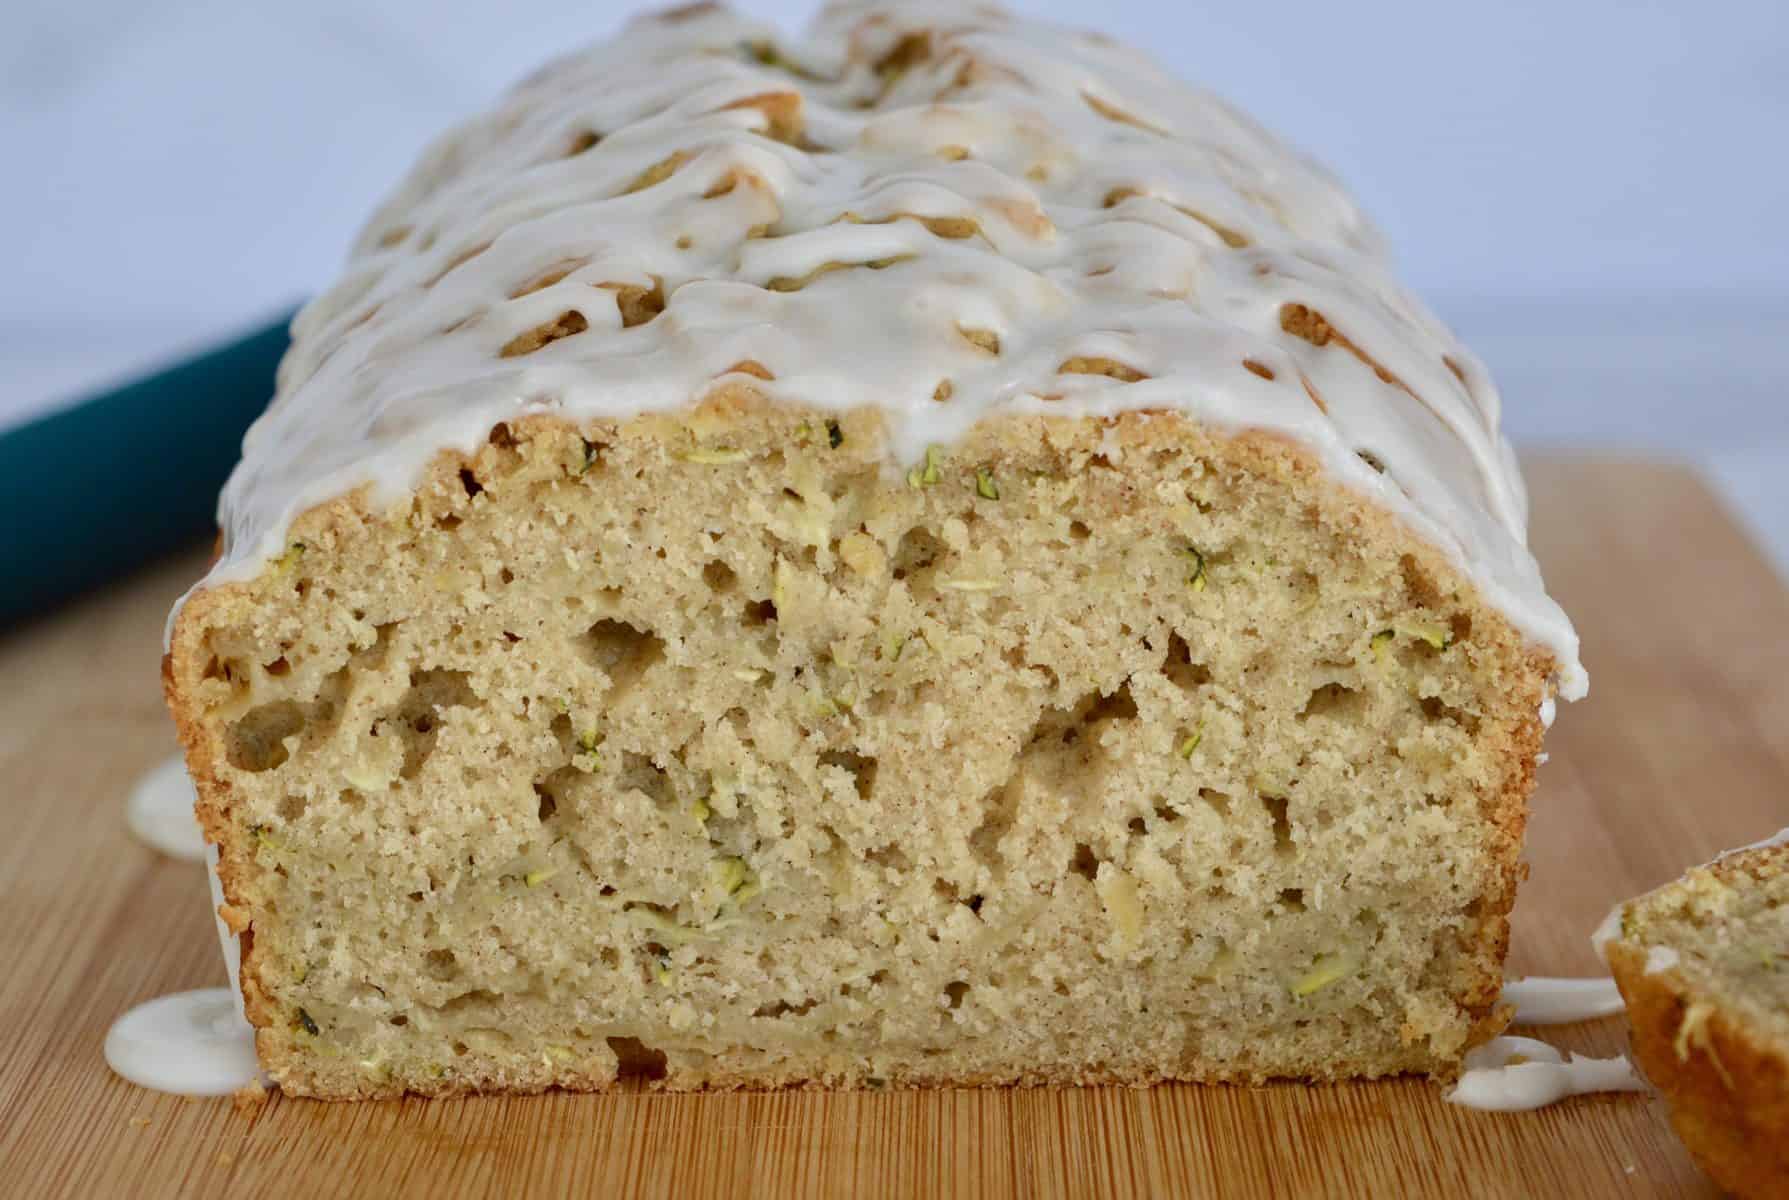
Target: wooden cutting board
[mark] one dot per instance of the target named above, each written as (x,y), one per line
(1681,750)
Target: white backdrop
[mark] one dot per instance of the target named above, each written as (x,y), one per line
(1595,191)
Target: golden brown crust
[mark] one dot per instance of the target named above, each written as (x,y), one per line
(1478,977)
(1728,1089)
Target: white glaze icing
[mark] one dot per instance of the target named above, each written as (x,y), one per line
(1101,191)
(1608,930)
(160,811)
(190,1043)
(1540,1000)
(1495,1082)
(196,1043)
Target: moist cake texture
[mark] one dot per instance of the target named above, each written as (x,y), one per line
(933,554)
(1703,964)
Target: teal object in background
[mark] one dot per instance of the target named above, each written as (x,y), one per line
(99,488)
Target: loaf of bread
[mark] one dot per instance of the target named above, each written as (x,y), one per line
(929,554)
(1703,964)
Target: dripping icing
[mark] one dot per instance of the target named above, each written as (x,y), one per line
(196,1043)
(1540,1000)
(160,811)
(1116,212)
(1515,1074)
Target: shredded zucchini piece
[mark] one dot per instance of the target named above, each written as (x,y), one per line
(927,475)
(714,457)
(1327,969)
(1196,579)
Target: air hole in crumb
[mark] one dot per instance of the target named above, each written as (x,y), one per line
(1336,701)
(861,768)
(1138,826)
(1165,812)
(441,965)
(1119,706)
(636,1060)
(1418,584)
(954,993)
(1084,863)
(278,666)
(719,576)
(1292,899)
(1180,668)
(760,612)
(1276,807)
(470,482)
(501,437)
(548,805)
(1434,709)
(292,807)
(1219,801)
(623,651)
(891,856)
(400,1020)
(639,773)
(919,548)
(1079,531)
(999,810)
(257,741)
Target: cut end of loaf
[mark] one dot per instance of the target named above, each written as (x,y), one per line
(1703,965)
(707,749)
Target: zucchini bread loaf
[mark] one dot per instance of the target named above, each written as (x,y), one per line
(1703,964)
(929,554)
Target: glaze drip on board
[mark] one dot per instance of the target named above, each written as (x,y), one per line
(1540,1000)
(933,210)
(1515,1074)
(160,811)
(188,1043)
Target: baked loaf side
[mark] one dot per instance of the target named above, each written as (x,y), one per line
(704,739)
(934,554)
(1703,965)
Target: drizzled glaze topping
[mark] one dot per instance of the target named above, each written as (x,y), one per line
(933,209)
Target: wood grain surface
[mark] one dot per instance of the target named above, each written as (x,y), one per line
(1681,750)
